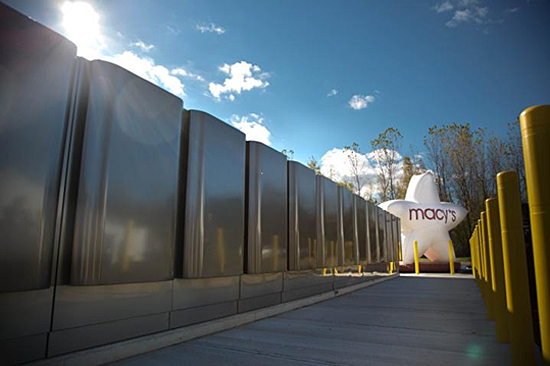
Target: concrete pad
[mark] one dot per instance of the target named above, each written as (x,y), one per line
(413,321)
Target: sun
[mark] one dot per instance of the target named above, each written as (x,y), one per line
(81,24)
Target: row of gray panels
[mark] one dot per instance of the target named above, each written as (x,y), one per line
(121,212)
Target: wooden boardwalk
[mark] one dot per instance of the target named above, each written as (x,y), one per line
(404,321)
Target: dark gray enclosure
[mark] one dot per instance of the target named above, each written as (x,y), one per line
(349,251)
(213,235)
(382,235)
(125,215)
(362,229)
(302,234)
(390,237)
(373,233)
(35,81)
(35,75)
(397,236)
(266,242)
(328,233)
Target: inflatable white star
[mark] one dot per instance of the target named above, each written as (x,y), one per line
(425,219)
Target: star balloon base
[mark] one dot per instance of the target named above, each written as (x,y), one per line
(429,267)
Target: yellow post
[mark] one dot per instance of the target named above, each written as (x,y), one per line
(497,270)
(324,271)
(472,260)
(535,134)
(391,267)
(416,260)
(489,294)
(481,259)
(515,270)
(359,269)
(451,258)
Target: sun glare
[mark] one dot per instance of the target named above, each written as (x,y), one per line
(81,23)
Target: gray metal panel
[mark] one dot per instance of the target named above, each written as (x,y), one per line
(373,233)
(84,305)
(259,302)
(24,349)
(302,234)
(35,74)
(126,206)
(260,284)
(25,312)
(181,318)
(328,233)
(194,292)
(389,237)
(74,339)
(303,279)
(362,235)
(382,238)
(214,198)
(266,210)
(349,247)
(398,231)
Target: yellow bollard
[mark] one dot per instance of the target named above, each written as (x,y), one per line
(535,134)
(480,255)
(497,270)
(489,294)
(416,260)
(451,258)
(324,271)
(515,270)
(391,267)
(359,269)
(481,259)
(472,260)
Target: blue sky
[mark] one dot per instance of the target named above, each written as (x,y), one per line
(317,75)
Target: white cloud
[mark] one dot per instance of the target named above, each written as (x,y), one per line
(511,10)
(474,14)
(336,165)
(443,7)
(147,69)
(180,71)
(143,46)
(465,11)
(210,28)
(82,26)
(252,125)
(173,29)
(332,93)
(243,76)
(359,102)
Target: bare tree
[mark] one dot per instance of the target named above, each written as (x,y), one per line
(386,154)
(357,167)
(313,164)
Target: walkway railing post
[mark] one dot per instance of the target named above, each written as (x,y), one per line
(515,270)
(489,294)
(416,259)
(451,258)
(535,132)
(497,279)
